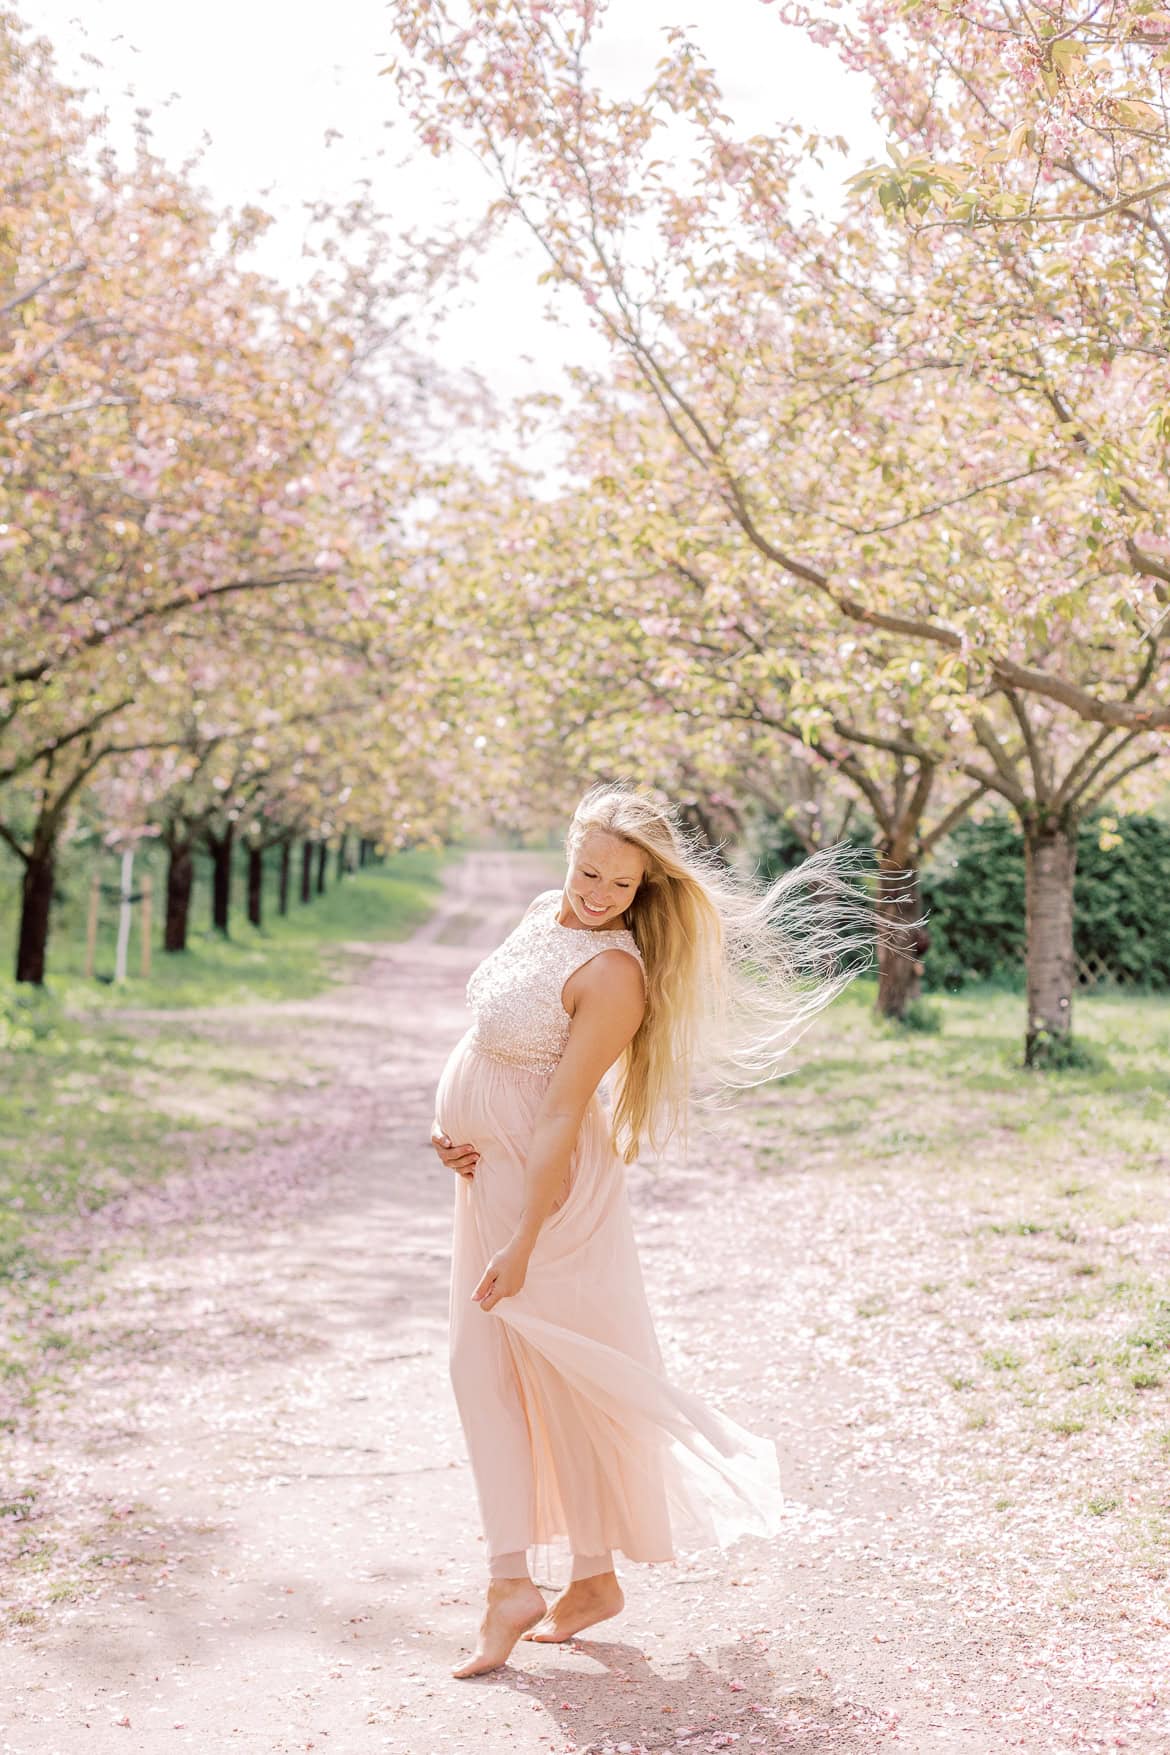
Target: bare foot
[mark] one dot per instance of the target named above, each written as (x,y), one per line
(580,1605)
(513,1605)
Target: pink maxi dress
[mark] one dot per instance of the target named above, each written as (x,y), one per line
(577,1440)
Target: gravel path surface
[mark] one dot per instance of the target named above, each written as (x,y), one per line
(267,1454)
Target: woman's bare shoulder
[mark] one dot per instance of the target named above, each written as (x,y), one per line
(544,896)
(616,971)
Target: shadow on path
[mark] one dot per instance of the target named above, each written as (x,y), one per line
(609,1692)
(256,1524)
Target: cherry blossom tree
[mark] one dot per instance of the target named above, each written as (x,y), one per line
(872,414)
(1052,116)
(202,474)
(1030,159)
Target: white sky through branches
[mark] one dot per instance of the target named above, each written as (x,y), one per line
(286,106)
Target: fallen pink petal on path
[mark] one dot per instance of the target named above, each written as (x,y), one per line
(240,1506)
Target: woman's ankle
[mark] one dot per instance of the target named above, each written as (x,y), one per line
(510,1566)
(587,1566)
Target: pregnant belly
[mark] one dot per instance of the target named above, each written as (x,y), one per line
(492,1105)
(487,1103)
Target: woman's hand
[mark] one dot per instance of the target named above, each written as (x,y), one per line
(462,1159)
(504,1274)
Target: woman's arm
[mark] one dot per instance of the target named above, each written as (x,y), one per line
(608,1002)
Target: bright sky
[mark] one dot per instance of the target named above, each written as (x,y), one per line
(260,89)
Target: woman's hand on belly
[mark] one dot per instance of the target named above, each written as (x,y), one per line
(504,1274)
(462,1159)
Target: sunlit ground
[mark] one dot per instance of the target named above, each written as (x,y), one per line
(1019,1230)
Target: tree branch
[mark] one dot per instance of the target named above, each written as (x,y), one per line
(32,416)
(30,292)
(1004,766)
(1039,783)
(1086,780)
(947,822)
(1091,804)
(51,749)
(157,611)
(897,746)
(10,840)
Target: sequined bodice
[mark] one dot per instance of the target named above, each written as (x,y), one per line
(515,992)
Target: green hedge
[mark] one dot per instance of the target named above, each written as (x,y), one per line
(974,892)
(773,846)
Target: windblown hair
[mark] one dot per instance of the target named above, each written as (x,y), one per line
(735,971)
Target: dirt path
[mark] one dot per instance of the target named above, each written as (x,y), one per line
(265,1454)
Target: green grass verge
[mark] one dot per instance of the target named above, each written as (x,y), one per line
(1022,1213)
(287,958)
(89,1106)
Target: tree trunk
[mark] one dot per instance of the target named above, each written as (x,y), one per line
(322,856)
(285,874)
(36,901)
(901,945)
(342,855)
(363,852)
(220,848)
(1050,856)
(180,876)
(306,870)
(255,885)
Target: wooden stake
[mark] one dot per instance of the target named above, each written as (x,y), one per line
(147,909)
(126,908)
(95,896)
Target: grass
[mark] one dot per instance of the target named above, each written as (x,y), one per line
(1001,1226)
(89,1106)
(1019,1213)
(107,1089)
(287,958)
(1032,1197)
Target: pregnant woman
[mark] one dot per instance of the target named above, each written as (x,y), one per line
(653,960)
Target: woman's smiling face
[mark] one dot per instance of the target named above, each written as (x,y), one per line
(603,876)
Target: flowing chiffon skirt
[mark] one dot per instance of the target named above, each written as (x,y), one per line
(577,1439)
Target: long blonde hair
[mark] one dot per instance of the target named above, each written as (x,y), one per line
(735,972)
